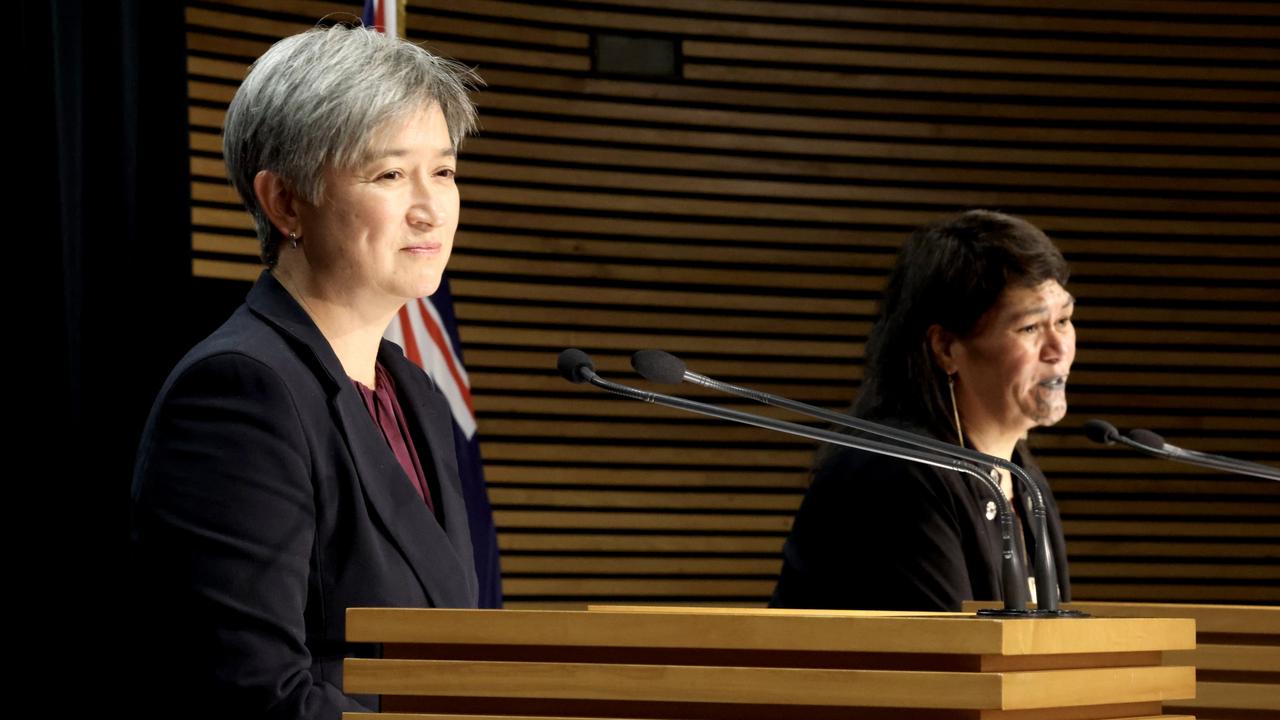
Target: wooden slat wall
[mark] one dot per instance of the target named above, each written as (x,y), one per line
(744,214)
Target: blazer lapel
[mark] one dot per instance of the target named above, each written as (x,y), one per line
(433,554)
(431,423)
(411,525)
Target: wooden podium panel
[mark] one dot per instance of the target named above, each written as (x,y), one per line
(699,664)
(1237,656)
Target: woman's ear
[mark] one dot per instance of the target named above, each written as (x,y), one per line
(942,344)
(278,201)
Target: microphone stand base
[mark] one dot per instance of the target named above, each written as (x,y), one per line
(1006,613)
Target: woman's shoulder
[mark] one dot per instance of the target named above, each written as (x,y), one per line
(846,470)
(243,359)
(243,342)
(834,460)
(243,333)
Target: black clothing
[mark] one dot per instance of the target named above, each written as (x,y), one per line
(266,503)
(878,533)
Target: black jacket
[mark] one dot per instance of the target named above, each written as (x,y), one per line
(266,502)
(877,533)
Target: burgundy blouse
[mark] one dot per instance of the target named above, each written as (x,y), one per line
(384,408)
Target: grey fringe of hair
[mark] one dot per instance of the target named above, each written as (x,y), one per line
(319,99)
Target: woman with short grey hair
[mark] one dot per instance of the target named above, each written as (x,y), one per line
(295,464)
(318,99)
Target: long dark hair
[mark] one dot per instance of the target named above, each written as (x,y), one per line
(947,274)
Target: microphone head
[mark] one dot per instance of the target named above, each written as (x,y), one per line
(659,366)
(1148,438)
(572,364)
(1101,431)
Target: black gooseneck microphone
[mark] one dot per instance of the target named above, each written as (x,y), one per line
(1102,432)
(1149,443)
(1210,460)
(1151,439)
(661,366)
(576,367)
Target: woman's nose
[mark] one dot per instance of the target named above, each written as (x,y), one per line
(1055,344)
(428,206)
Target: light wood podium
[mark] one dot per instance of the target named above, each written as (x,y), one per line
(703,663)
(1237,655)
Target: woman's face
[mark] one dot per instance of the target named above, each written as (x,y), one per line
(1011,371)
(384,229)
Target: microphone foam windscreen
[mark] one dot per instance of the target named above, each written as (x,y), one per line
(1148,438)
(1101,431)
(571,362)
(659,366)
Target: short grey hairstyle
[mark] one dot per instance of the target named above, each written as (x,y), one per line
(318,99)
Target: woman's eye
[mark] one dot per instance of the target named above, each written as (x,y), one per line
(1063,322)
(391,175)
(447,173)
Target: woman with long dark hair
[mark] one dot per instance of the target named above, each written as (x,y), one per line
(973,346)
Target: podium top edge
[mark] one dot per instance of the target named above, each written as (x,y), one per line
(766,630)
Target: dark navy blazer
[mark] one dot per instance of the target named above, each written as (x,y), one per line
(266,502)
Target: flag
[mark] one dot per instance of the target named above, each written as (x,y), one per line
(428,331)
(385,16)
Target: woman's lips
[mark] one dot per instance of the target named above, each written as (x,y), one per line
(1057,382)
(423,249)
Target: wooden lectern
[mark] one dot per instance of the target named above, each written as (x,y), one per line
(740,664)
(1237,656)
